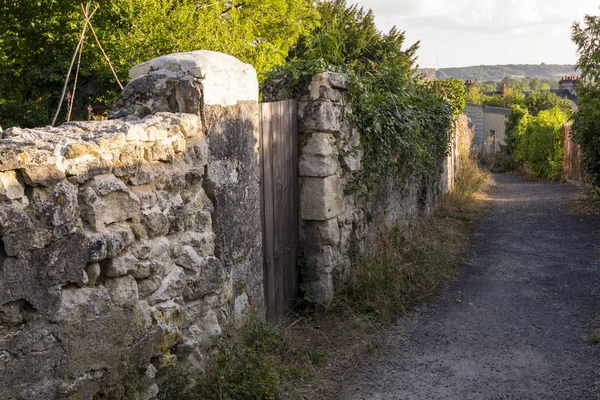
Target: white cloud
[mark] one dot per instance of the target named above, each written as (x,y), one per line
(462,31)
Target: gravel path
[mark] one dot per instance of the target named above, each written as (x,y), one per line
(514,326)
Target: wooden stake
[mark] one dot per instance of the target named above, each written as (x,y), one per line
(87,7)
(79,44)
(103,53)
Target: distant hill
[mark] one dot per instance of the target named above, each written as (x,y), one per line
(498,72)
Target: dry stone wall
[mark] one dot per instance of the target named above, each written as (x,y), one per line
(128,244)
(336,223)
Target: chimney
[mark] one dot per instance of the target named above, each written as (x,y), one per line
(503,89)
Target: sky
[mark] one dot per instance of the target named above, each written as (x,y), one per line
(458,33)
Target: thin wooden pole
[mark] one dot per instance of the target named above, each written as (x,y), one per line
(105,56)
(79,44)
(87,7)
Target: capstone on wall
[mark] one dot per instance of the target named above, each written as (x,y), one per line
(337,223)
(129,244)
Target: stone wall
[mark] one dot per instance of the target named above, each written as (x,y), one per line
(335,222)
(128,244)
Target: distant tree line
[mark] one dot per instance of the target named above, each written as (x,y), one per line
(498,72)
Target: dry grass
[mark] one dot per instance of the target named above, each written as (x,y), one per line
(314,355)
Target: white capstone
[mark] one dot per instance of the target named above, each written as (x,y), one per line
(225,79)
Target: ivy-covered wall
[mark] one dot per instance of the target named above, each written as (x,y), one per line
(338,221)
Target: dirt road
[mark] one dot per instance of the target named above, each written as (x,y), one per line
(514,326)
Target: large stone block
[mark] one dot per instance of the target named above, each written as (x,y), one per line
(316,166)
(321,198)
(320,116)
(319,144)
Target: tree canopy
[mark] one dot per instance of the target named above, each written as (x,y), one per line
(38,38)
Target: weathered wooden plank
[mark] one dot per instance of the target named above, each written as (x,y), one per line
(278,207)
(287,209)
(295,212)
(268,213)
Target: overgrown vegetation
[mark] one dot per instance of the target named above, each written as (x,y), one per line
(38,38)
(586,125)
(405,122)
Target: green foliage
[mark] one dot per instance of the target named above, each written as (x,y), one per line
(539,101)
(38,38)
(516,125)
(405,126)
(475,95)
(251,363)
(454,92)
(540,147)
(586,125)
(512,97)
(348,36)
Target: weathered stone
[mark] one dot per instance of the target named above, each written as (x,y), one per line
(127,160)
(93,272)
(155,222)
(321,198)
(79,149)
(81,169)
(317,166)
(42,175)
(148,286)
(123,291)
(56,206)
(172,286)
(190,125)
(11,187)
(95,246)
(115,204)
(241,309)
(328,86)
(320,116)
(161,151)
(12,314)
(319,144)
(216,70)
(121,266)
(209,281)
(118,237)
(13,219)
(196,152)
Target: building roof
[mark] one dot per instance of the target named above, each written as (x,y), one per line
(496,110)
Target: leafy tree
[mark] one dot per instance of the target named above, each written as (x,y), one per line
(540,147)
(453,91)
(38,38)
(587,119)
(538,101)
(475,95)
(512,97)
(348,36)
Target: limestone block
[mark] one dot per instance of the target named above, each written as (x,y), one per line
(55,206)
(161,151)
(42,174)
(320,116)
(210,281)
(241,309)
(128,159)
(202,333)
(93,272)
(148,286)
(328,86)
(329,231)
(118,237)
(13,219)
(123,291)
(79,149)
(168,316)
(114,202)
(225,80)
(190,125)
(155,222)
(121,266)
(319,144)
(11,187)
(83,168)
(147,173)
(321,198)
(171,286)
(196,152)
(317,166)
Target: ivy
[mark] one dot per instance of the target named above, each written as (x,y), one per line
(405,125)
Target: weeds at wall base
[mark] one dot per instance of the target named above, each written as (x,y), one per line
(315,355)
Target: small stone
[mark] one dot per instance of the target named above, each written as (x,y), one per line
(93,272)
(123,291)
(321,198)
(11,187)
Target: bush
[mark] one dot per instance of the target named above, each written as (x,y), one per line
(540,147)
